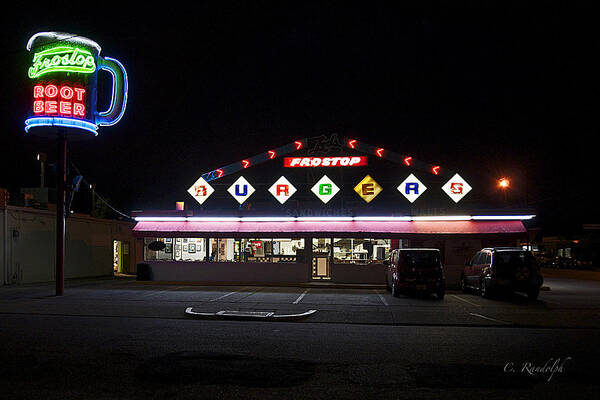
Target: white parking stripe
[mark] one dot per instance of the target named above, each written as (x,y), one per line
(551,302)
(301,297)
(228,294)
(466,301)
(162,291)
(381,297)
(222,297)
(489,318)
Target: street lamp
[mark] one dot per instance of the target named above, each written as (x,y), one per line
(41,157)
(504,184)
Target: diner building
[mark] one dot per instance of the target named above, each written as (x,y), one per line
(319,209)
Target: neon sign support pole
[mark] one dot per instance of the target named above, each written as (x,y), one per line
(60,214)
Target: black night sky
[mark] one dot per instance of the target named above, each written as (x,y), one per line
(488,92)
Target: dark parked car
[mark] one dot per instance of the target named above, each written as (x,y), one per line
(502,268)
(415,270)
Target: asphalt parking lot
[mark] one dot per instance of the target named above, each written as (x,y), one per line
(118,338)
(567,303)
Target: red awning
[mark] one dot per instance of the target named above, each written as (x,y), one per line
(321,228)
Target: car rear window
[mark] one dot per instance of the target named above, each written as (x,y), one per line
(421,259)
(514,258)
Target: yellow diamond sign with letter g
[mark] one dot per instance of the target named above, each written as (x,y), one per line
(368,189)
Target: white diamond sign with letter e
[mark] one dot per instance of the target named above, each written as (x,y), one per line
(456,188)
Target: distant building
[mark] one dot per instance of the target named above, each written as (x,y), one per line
(94,247)
(581,250)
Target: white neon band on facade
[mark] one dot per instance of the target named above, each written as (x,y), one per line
(59,121)
(214,219)
(340,219)
(161,219)
(443,218)
(502,217)
(332,219)
(382,218)
(268,219)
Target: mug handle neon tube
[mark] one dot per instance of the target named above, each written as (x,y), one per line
(118,101)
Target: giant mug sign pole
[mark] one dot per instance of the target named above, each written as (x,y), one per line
(64,77)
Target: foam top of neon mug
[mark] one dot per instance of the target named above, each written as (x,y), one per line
(49,37)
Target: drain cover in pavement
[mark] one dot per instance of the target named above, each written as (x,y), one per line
(253,314)
(260,315)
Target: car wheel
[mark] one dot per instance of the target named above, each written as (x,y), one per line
(395,290)
(463,284)
(484,289)
(440,294)
(533,294)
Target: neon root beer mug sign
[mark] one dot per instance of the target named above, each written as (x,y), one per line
(64,77)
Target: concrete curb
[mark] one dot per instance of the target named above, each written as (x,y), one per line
(268,284)
(588,275)
(248,315)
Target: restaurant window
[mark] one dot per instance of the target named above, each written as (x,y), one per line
(190,249)
(272,250)
(288,250)
(223,250)
(164,254)
(360,251)
(321,247)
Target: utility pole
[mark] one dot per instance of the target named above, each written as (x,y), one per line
(60,212)
(93,189)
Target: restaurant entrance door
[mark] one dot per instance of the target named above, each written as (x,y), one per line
(321,258)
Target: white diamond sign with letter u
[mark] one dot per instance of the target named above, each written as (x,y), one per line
(241,190)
